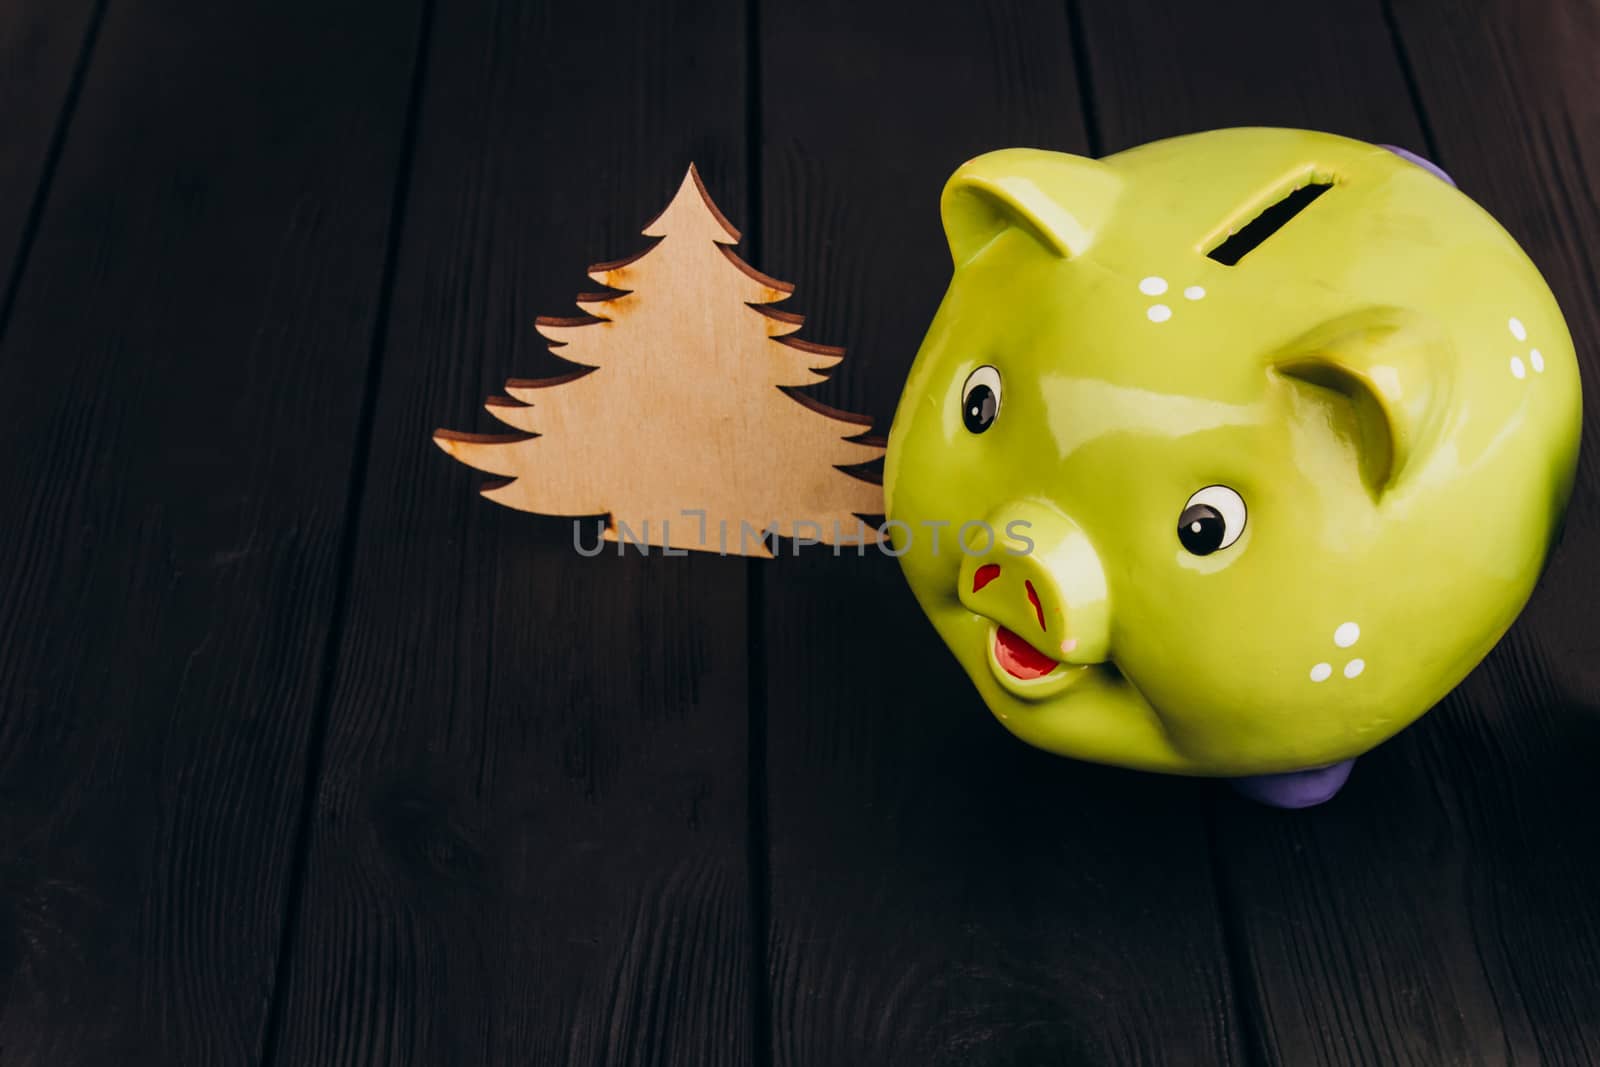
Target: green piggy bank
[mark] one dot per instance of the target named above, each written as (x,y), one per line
(1231,454)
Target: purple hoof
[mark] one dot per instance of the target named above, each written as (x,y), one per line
(1295,789)
(1427,165)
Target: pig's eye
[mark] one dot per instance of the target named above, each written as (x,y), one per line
(980,399)
(1213,519)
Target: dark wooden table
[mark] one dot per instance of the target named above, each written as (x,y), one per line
(309,756)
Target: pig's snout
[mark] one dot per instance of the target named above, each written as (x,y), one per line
(1039,577)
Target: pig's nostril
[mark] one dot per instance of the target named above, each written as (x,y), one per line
(1033,598)
(984,575)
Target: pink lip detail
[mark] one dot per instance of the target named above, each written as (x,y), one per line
(984,575)
(1020,659)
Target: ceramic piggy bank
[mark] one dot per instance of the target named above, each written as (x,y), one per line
(1245,447)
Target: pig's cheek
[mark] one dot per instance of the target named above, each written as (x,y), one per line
(920,515)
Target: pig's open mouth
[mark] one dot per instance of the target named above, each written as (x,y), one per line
(1020,659)
(1024,671)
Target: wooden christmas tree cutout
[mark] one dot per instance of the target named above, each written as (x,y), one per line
(679,421)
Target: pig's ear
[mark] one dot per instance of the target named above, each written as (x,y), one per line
(1060,200)
(1384,373)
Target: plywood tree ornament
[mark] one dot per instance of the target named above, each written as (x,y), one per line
(681,401)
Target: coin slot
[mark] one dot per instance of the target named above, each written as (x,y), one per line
(1274,218)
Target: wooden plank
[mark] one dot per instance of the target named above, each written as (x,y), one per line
(181,389)
(1442,909)
(1159,70)
(939,892)
(529,841)
(44,45)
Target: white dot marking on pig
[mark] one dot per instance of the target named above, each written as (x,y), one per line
(1153,286)
(1320,672)
(1536,357)
(1519,331)
(1354,667)
(1346,635)
(1517,369)
(1194,292)
(1159,313)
